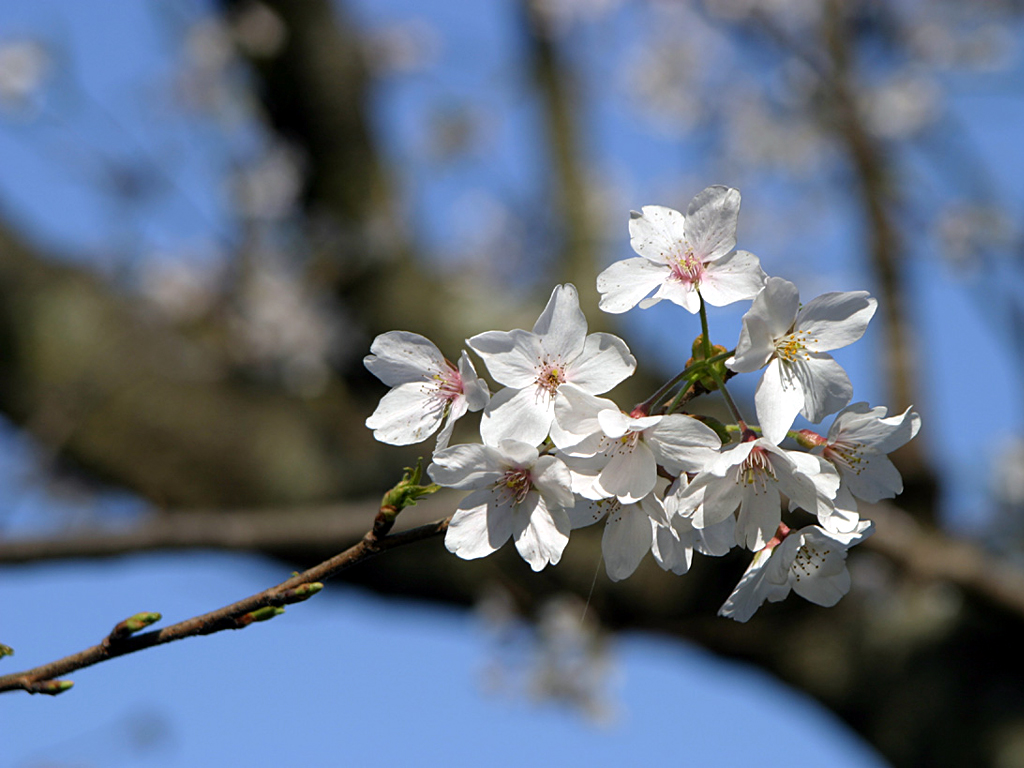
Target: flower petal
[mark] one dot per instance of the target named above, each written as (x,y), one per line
(628,536)
(400,357)
(736,277)
(407,414)
(825,384)
(711,222)
(630,474)
(562,326)
(541,534)
(517,414)
(625,283)
(466,467)
(604,362)
(834,320)
(479,526)
(777,400)
(656,232)
(511,357)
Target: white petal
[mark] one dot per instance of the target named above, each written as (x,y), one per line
(711,222)
(588,511)
(625,283)
(718,539)
(834,320)
(682,444)
(511,357)
(777,400)
(614,423)
(407,414)
(473,387)
(657,232)
(755,347)
(737,277)
(681,293)
(721,497)
(518,414)
(825,384)
(467,466)
(670,551)
(630,475)
(604,362)
(479,526)
(562,326)
(875,478)
(400,357)
(541,534)
(552,480)
(759,517)
(627,538)
(750,593)
(578,431)
(844,517)
(777,306)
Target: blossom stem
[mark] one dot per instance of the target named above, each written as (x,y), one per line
(705,337)
(691,372)
(680,394)
(728,400)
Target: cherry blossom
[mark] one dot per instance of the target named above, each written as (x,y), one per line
(811,562)
(750,476)
(675,543)
(516,493)
(426,389)
(533,366)
(684,257)
(792,341)
(612,454)
(628,533)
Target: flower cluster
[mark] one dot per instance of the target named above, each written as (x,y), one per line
(555,456)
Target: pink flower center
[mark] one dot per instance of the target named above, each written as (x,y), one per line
(688,269)
(449,383)
(550,376)
(514,485)
(756,469)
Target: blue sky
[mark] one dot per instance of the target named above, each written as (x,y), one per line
(350,675)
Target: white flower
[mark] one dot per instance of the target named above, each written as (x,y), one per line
(516,494)
(674,543)
(683,256)
(792,341)
(857,444)
(426,389)
(811,561)
(628,534)
(750,476)
(612,454)
(532,366)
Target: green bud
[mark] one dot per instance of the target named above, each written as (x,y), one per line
(6,650)
(261,614)
(134,624)
(407,491)
(697,348)
(301,592)
(51,687)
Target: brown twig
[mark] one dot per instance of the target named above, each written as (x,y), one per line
(263,605)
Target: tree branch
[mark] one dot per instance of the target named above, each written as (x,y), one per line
(237,615)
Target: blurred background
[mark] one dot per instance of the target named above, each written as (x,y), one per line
(209,209)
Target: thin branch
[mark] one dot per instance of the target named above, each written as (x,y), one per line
(237,615)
